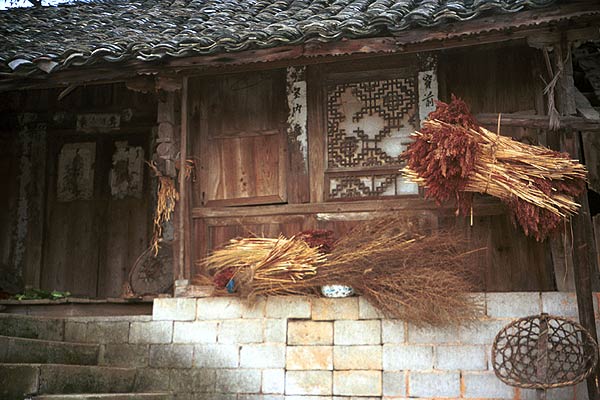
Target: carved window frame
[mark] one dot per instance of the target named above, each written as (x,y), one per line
(357,176)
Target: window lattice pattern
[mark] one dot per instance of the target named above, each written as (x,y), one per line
(368,185)
(369,125)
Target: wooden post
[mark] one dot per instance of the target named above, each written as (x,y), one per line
(170,132)
(183,218)
(584,260)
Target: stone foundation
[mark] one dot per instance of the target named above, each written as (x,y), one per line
(300,348)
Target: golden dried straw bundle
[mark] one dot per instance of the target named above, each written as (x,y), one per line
(506,168)
(166,198)
(266,266)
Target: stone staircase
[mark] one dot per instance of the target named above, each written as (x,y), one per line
(36,363)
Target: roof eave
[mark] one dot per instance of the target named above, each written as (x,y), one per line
(567,18)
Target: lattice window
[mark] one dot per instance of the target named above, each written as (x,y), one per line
(368,127)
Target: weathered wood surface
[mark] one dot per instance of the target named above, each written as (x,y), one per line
(9,186)
(541,122)
(33,182)
(73,238)
(91,244)
(184,184)
(596,223)
(298,187)
(585,273)
(242,145)
(127,236)
(490,79)
(585,268)
(88,245)
(317,149)
(484,206)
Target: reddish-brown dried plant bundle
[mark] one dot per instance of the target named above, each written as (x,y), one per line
(424,279)
(320,239)
(454,158)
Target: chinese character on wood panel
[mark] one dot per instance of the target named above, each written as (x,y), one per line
(369,126)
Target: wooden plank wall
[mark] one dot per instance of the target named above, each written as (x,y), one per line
(491,79)
(9,174)
(502,79)
(89,246)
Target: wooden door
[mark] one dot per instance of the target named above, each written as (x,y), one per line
(242,139)
(97,217)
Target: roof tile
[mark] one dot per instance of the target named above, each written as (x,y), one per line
(148,30)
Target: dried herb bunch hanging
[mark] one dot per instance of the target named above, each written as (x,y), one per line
(454,157)
(166,198)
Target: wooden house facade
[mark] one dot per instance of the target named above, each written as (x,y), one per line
(271,118)
(279,137)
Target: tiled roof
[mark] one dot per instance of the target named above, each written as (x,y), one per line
(52,38)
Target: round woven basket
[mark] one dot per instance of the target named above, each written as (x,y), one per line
(543,352)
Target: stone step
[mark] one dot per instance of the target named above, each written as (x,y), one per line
(26,326)
(17,380)
(106,396)
(22,350)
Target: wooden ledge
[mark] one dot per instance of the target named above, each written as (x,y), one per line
(540,121)
(483,206)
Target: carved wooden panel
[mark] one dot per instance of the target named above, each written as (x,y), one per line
(369,124)
(373,184)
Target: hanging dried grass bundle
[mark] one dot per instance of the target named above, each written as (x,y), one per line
(264,266)
(167,197)
(453,157)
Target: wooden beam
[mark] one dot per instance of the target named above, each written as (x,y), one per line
(482,206)
(540,121)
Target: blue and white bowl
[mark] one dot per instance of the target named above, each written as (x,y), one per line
(337,291)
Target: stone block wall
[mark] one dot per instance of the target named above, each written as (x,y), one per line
(301,348)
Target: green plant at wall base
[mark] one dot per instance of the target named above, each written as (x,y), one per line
(38,294)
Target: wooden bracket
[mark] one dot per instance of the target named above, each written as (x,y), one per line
(168,83)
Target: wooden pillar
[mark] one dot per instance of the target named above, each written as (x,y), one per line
(168,150)
(184,213)
(584,253)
